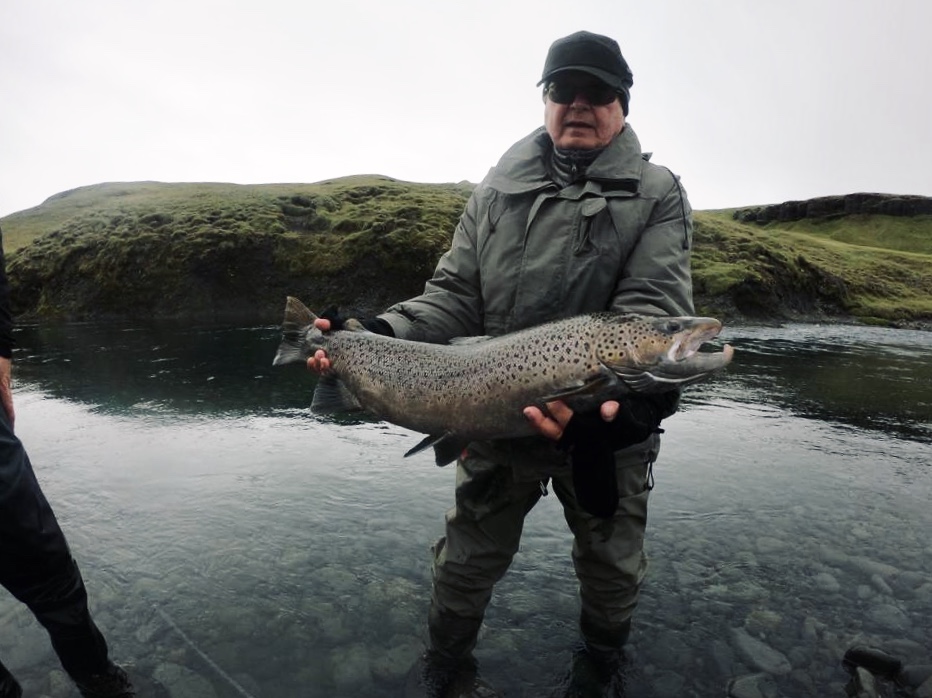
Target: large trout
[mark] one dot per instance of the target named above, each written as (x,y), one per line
(477,388)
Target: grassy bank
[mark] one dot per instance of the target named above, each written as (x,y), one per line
(233,252)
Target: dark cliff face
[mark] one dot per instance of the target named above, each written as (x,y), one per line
(835,206)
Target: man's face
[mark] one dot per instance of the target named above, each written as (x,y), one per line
(574,116)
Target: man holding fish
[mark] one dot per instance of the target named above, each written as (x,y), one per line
(573,219)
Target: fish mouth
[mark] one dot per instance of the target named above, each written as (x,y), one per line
(696,363)
(684,363)
(684,356)
(689,339)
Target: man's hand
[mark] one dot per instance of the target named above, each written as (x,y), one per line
(552,425)
(6,391)
(319,363)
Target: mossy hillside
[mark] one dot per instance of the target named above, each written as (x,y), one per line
(234,252)
(872,268)
(227,251)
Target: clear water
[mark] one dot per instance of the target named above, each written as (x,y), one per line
(234,544)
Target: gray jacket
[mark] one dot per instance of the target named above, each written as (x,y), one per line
(526,251)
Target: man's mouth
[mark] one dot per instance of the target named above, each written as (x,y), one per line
(577,124)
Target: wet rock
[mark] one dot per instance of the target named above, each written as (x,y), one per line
(689,574)
(812,628)
(181,682)
(924,593)
(752,686)
(768,544)
(724,657)
(880,585)
(759,654)
(762,621)
(826,582)
(862,684)
(351,666)
(60,684)
(925,690)
(392,665)
(889,617)
(668,684)
(910,651)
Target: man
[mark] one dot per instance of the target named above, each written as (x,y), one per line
(35,563)
(573,219)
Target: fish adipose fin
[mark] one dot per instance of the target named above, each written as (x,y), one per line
(447,447)
(333,396)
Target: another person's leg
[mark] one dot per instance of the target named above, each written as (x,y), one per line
(37,568)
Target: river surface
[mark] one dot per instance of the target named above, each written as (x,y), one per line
(234,544)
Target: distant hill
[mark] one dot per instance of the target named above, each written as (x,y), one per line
(232,253)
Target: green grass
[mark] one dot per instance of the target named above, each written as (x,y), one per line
(871,267)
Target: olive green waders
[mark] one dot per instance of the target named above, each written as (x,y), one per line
(497,484)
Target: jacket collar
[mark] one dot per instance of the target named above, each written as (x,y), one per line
(523,168)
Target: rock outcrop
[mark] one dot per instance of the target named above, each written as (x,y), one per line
(834,206)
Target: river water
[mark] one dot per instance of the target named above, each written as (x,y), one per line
(234,544)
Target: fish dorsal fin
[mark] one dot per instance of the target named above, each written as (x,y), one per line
(447,447)
(332,396)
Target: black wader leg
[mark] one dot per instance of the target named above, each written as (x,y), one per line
(36,565)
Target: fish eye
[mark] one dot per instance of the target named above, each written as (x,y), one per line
(673,326)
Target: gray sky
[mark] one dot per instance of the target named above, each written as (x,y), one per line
(750,101)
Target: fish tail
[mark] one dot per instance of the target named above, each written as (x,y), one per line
(294,346)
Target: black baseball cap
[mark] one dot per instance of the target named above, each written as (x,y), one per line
(594,54)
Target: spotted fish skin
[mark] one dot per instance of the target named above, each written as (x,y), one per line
(477,388)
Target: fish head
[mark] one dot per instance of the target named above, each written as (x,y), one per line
(656,353)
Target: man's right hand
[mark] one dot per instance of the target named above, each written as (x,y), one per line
(319,363)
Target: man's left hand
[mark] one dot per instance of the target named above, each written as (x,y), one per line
(552,423)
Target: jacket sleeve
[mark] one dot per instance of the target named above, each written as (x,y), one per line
(451,305)
(6,315)
(656,279)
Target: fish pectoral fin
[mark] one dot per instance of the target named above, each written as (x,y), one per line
(447,447)
(638,380)
(332,395)
(582,389)
(461,341)
(641,381)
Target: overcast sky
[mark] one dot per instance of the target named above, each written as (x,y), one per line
(750,101)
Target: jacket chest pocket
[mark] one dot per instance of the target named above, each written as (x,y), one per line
(627,221)
(588,226)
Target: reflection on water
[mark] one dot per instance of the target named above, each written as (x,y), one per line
(234,544)
(871,378)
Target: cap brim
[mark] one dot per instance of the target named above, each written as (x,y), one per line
(603,75)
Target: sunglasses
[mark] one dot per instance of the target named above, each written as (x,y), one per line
(597,94)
